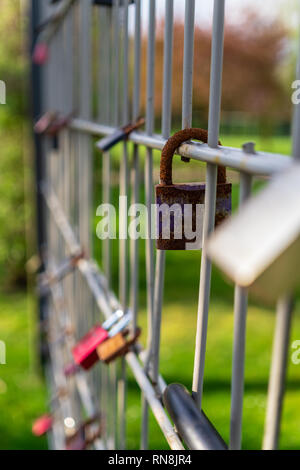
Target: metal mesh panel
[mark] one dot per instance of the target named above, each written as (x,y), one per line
(90,55)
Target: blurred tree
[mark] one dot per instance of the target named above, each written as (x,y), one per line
(254,50)
(12,118)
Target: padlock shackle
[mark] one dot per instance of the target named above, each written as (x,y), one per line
(121,325)
(173,144)
(112,320)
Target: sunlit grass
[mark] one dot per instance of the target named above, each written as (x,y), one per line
(22,392)
(177,349)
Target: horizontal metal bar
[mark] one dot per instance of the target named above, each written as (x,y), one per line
(260,163)
(192,425)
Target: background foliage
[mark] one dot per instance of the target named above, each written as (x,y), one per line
(14,144)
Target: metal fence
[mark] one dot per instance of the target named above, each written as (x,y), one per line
(90,54)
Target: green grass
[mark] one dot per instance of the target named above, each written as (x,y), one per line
(276,144)
(178,333)
(23,394)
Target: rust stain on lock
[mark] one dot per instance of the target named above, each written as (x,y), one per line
(117,346)
(188,193)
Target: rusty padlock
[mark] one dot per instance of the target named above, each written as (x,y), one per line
(60,123)
(86,435)
(186,201)
(44,122)
(85,352)
(117,346)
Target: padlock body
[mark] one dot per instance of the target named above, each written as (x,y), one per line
(223,202)
(85,352)
(76,442)
(112,348)
(42,425)
(187,194)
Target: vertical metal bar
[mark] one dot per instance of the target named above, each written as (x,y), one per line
(278,373)
(151,68)
(115,117)
(149,200)
(116,12)
(85,60)
(216,74)
(106,197)
(125,78)
(123,256)
(188,64)
(239,342)
(104,116)
(134,244)
(210,196)
(149,160)
(83,155)
(65,147)
(85,160)
(168,68)
(134,248)
(166,129)
(158,299)
(104,65)
(124,174)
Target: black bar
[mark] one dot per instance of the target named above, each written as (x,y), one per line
(109,3)
(36,112)
(39,167)
(192,425)
(110,141)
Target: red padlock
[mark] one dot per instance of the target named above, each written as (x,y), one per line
(40,53)
(42,425)
(85,352)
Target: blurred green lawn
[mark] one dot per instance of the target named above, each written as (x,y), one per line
(23,395)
